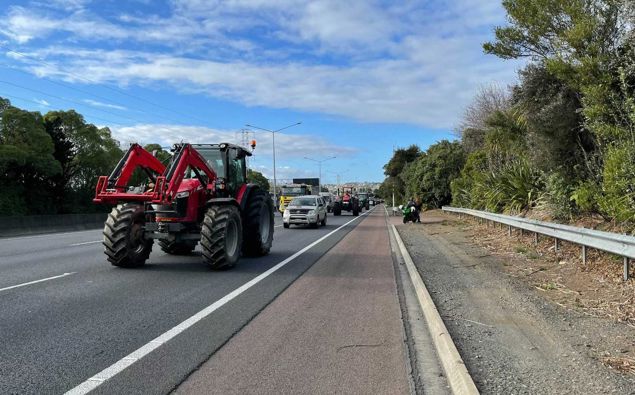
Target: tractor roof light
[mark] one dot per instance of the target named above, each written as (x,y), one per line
(253,144)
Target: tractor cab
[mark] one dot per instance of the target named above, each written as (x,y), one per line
(228,162)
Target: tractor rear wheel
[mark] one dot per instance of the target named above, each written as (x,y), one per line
(124,241)
(337,209)
(221,236)
(177,247)
(258,230)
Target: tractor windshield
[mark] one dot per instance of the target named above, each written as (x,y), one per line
(214,159)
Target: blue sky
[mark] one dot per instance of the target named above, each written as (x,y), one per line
(362,76)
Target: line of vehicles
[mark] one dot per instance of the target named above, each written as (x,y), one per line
(201,197)
(312,209)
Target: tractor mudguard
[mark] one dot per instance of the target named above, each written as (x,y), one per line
(223,201)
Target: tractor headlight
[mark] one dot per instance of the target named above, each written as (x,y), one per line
(183,194)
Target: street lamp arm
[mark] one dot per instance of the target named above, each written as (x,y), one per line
(256,127)
(287,127)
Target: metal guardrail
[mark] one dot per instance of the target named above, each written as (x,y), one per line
(614,243)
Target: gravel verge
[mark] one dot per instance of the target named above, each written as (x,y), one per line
(512,339)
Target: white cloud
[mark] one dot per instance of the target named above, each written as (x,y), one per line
(96,103)
(42,102)
(417,62)
(287,145)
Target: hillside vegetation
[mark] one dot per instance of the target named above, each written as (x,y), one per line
(561,139)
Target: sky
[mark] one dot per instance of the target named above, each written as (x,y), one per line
(362,76)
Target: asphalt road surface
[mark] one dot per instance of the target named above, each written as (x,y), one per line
(66,314)
(337,329)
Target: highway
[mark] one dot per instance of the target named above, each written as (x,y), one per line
(68,315)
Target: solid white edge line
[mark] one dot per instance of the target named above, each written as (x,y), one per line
(86,242)
(455,371)
(36,281)
(116,368)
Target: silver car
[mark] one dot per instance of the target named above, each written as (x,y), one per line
(305,210)
(328,200)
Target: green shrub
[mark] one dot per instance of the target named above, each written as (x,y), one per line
(464,193)
(585,197)
(515,188)
(556,197)
(618,198)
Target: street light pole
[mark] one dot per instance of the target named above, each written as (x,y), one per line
(273,141)
(338,177)
(319,161)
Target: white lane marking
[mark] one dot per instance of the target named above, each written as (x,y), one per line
(36,281)
(277,226)
(86,242)
(136,355)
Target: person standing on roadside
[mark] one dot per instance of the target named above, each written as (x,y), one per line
(417,205)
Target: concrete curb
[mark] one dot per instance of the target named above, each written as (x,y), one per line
(456,373)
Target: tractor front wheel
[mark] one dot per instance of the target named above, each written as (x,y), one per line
(221,237)
(124,241)
(258,230)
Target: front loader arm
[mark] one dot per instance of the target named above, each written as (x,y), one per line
(168,185)
(113,189)
(135,157)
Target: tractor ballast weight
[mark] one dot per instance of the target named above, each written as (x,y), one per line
(201,196)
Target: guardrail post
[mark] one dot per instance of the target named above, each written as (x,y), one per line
(535,237)
(556,244)
(522,232)
(627,267)
(509,230)
(584,255)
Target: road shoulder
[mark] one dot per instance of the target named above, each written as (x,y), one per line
(337,328)
(511,339)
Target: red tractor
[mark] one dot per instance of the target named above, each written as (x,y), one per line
(347,201)
(202,195)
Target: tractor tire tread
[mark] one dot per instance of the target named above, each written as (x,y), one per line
(116,232)
(213,236)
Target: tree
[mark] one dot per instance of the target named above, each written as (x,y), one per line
(26,162)
(473,127)
(400,157)
(394,168)
(430,175)
(161,154)
(256,177)
(84,152)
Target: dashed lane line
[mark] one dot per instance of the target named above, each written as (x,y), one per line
(36,281)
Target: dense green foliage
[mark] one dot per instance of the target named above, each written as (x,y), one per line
(563,138)
(256,177)
(49,164)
